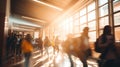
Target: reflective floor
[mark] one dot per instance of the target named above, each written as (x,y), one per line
(51,58)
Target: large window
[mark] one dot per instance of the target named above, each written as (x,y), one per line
(76,23)
(83,12)
(76,26)
(76,29)
(92,36)
(117,34)
(103,21)
(91,7)
(116,9)
(117,18)
(71,25)
(92,25)
(83,19)
(116,5)
(103,13)
(36,35)
(101,2)
(103,10)
(76,15)
(91,16)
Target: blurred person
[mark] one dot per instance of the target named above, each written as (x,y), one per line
(13,43)
(85,51)
(46,44)
(9,44)
(68,44)
(53,44)
(27,48)
(40,44)
(18,45)
(107,44)
(68,47)
(57,42)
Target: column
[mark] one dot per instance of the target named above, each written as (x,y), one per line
(4,15)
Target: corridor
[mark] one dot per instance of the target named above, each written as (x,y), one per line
(56,20)
(53,59)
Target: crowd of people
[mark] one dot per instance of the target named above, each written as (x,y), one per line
(13,45)
(23,45)
(77,46)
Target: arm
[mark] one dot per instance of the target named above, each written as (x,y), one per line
(108,42)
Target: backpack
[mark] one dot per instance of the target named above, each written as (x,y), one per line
(97,48)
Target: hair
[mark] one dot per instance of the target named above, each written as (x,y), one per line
(86,28)
(28,37)
(85,31)
(106,31)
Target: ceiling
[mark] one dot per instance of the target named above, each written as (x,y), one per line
(40,12)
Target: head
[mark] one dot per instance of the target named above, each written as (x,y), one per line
(107,29)
(28,37)
(85,30)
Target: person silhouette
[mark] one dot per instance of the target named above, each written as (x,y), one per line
(106,43)
(27,49)
(85,51)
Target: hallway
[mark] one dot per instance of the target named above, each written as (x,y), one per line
(54,59)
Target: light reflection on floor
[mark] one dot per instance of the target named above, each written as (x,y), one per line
(59,59)
(56,59)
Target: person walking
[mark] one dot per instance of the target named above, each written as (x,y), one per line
(40,44)
(85,51)
(107,44)
(47,44)
(27,49)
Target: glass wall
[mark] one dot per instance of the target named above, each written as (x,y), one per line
(116,10)
(83,18)
(117,18)
(92,18)
(116,5)
(102,2)
(103,21)
(103,13)
(117,34)
(91,23)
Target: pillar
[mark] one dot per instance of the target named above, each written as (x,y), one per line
(4,15)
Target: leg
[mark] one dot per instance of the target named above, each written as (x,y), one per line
(83,59)
(71,61)
(27,59)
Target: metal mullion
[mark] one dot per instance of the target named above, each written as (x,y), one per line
(102,5)
(91,20)
(97,18)
(117,26)
(116,12)
(111,16)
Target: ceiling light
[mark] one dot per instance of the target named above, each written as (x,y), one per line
(22,29)
(33,19)
(16,20)
(52,6)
